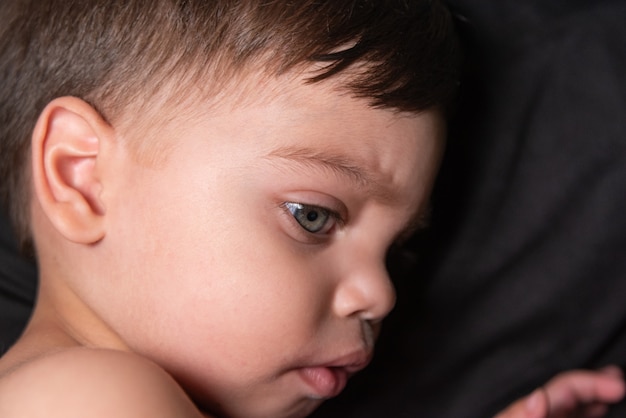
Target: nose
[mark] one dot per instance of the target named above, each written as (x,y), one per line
(365,291)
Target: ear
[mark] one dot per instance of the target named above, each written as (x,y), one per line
(66,143)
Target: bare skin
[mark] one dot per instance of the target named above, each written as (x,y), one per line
(91,382)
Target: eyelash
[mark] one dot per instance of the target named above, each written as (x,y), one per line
(301,213)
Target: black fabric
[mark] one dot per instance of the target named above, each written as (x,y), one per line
(524,273)
(18,280)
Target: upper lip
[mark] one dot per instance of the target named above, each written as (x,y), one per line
(352,362)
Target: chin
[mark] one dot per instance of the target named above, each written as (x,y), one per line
(297,409)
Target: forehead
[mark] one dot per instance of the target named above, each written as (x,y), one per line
(291,119)
(292,101)
(321,130)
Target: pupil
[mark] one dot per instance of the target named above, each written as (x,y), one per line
(311,216)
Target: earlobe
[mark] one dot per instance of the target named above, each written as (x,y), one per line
(66,143)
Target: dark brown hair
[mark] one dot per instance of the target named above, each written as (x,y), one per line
(112,53)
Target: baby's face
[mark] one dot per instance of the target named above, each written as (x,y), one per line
(251,263)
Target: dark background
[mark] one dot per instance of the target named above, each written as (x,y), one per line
(17,287)
(523,273)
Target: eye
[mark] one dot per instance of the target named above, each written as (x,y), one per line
(313,219)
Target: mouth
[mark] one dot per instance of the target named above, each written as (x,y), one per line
(329,380)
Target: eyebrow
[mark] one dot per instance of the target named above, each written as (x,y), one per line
(340,164)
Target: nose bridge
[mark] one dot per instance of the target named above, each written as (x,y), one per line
(364,288)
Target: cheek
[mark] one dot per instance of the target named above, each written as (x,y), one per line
(218,277)
(220,272)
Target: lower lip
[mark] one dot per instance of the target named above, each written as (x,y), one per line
(326,382)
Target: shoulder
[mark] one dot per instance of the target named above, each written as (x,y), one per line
(83,382)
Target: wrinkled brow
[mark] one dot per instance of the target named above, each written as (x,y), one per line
(340,164)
